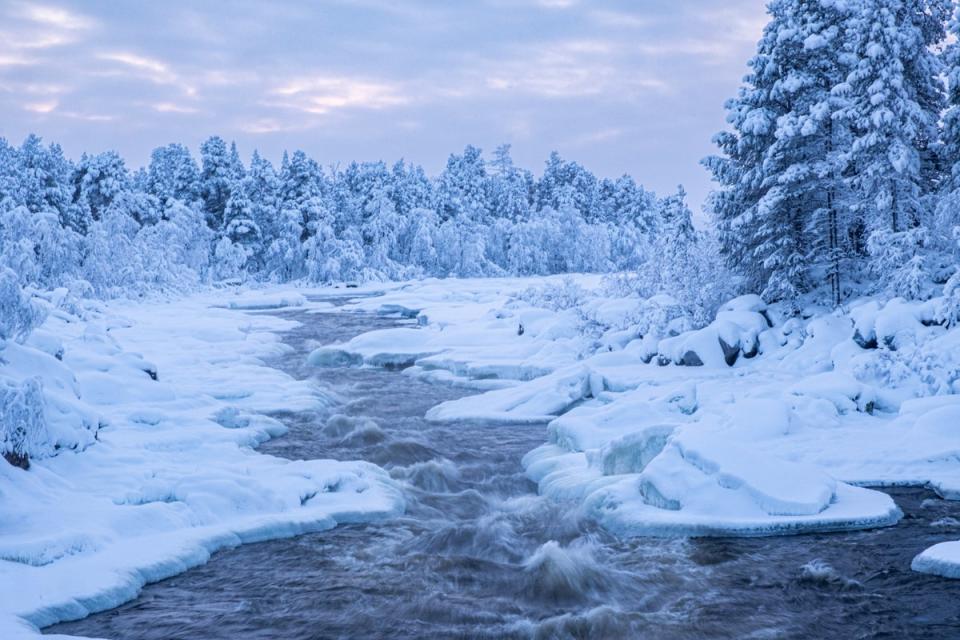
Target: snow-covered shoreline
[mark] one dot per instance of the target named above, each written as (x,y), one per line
(757,424)
(170,476)
(777,443)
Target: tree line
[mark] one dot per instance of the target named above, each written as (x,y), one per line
(96,225)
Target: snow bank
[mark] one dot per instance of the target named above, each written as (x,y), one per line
(467,329)
(757,424)
(141,465)
(258,300)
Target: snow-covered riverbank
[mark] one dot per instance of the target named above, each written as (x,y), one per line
(163,473)
(757,424)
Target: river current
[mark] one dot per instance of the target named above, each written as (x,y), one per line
(478,554)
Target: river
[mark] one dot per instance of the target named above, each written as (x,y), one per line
(478,554)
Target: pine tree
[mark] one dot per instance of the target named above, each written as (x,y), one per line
(261,188)
(896,97)
(217,178)
(173,175)
(97,180)
(804,210)
(741,171)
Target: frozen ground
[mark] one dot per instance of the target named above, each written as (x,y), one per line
(153,475)
(753,425)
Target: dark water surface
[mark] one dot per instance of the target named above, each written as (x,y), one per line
(479,555)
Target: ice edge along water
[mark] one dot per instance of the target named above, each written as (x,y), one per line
(171,477)
(735,445)
(625,438)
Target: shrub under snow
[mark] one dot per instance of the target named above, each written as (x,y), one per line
(18,314)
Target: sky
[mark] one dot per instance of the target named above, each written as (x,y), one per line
(631,87)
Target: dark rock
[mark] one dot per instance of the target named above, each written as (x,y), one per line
(662,360)
(730,352)
(690,359)
(152,372)
(752,349)
(869,342)
(766,316)
(20,460)
(520,330)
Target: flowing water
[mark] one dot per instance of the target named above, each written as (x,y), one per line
(479,555)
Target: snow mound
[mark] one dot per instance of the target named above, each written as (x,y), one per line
(940,560)
(539,400)
(261,300)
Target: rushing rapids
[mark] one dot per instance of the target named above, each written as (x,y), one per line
(479,554)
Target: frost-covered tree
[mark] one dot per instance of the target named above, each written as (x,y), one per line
(567,182)
(112,261)
(462,188)
(781,200)
(741,170)
(173,175)
(97,181)
(896,97)
(512,188)
(261,188)
(240,228)
(218,177)
(45,182)
(805,210)
(18,314)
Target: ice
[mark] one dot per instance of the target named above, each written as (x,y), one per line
(141,465)
(537,401)
(772,434)
(941,559)
(259,300)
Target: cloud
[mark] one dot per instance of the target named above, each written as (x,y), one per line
(319,95)
(149,69)
(47,106)
(170,107)
(32,26)
(603,135)
(572,68)
(14,60)
(265,125)
(56,17)
(619,19)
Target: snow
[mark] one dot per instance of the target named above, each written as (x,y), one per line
(778,440)
(941,559)
(135,479)
(142,465)
(254,300)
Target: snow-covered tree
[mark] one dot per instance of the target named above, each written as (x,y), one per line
(218,177)
(173,175)
(896,97)
(97,181)
(18,314)
(781,199)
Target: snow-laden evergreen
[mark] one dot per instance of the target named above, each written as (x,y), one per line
(94,224)
(834,170)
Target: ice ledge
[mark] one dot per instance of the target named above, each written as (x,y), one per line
(940,560)
(854,508)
